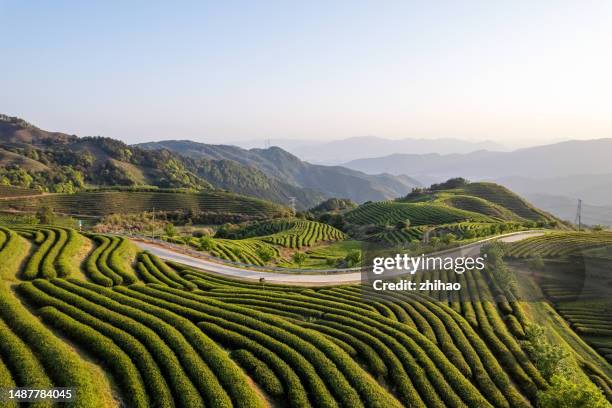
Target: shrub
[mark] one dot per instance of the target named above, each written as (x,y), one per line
(566,392)
(63,366)
(91,264)
(65,262)
(319,347)
(12,253)
(135,339)
(259,371)
(107,352)
(32,268)
(266,254)
(299,258)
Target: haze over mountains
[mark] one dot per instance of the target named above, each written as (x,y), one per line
(551,176)
(344,150)
(555,160)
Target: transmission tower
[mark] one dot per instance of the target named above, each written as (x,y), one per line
(292,204)
(578,219)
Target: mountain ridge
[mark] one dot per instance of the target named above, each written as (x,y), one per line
(553,160)
(63,163)
(336,152)
(332,181)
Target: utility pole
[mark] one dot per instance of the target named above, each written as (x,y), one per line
(292,204)
(578,219)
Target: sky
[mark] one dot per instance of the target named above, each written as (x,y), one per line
(515,72)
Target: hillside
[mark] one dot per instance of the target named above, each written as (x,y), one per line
(453,210)
(57,162)
(213,204)
(276,163)
(486,202)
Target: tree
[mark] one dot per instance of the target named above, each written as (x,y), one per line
(403,224)
(449,238)
(45,215)
(353,258)
(331,261)
(536,263)
(566,391)
(265,253)
(469,233)
(170,229)
(207,243)
(298,258)
(548,358)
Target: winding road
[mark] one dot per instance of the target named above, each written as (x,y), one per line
(310,278)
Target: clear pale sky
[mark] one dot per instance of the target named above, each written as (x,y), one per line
(509,71)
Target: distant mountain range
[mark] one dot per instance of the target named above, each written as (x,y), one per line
(344,150)
(565,208)
(553,176)
(555,160)
(279,165)
(58,162)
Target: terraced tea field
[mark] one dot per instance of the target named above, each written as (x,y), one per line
(11,191)
(559,244)
(391,212)
(577,281)
(170,335)
(266,238)
(461,231)
(505,198)
(100,203)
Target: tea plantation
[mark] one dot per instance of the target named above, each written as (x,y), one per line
(170,335)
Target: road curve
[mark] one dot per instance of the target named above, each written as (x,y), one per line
(311,278)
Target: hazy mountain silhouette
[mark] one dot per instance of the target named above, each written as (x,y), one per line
(340,151)
(555,160)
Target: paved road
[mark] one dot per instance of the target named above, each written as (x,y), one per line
(311,278)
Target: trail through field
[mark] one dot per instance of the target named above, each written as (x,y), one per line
(338,276)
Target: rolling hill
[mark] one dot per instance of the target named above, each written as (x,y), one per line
(218,204)
(62,163)
(441,204)
(276,163)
